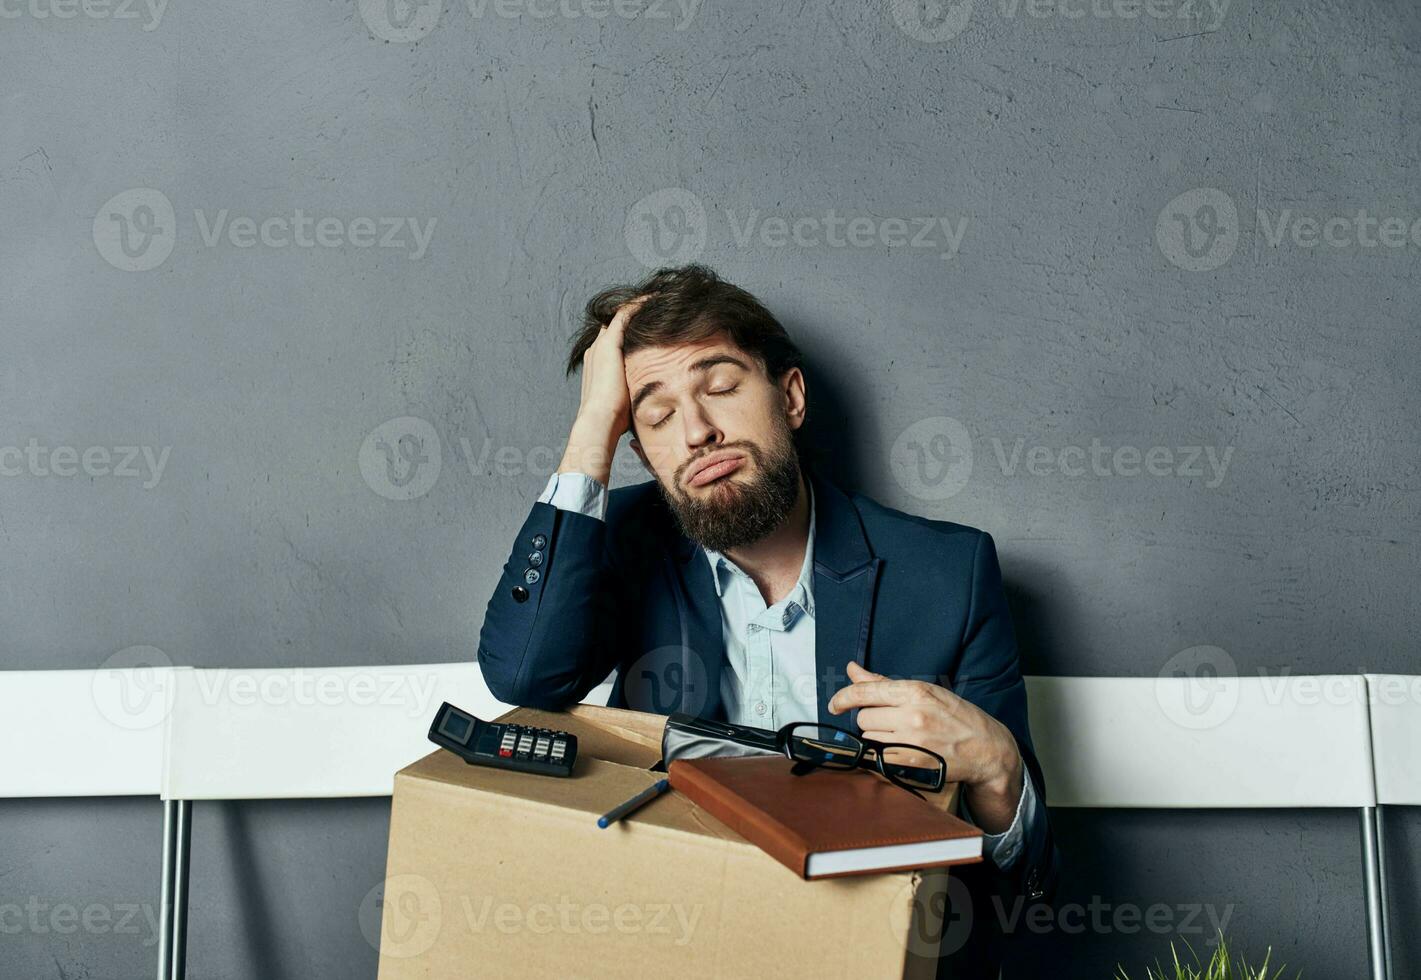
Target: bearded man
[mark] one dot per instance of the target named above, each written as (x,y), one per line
(740,585)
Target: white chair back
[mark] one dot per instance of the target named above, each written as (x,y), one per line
(1396,737)
(308,732)
(1199,742)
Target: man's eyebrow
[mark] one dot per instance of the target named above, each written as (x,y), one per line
(644,392)
(703,365)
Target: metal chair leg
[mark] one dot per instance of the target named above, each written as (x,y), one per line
(182,841)
(165,894)
(1376,939)
(1389,949)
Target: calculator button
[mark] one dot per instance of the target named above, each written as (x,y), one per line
(540,747)
(505,752)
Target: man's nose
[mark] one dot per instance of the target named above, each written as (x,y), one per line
(700,430)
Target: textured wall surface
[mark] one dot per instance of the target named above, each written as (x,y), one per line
(1131,286)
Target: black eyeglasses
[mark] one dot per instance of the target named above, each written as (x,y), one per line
(815,746)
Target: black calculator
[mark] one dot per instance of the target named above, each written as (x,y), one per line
(520,748)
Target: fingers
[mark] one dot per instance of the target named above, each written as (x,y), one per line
(867,693)
(624,313)
(858,676)
(882,719)
(857,673)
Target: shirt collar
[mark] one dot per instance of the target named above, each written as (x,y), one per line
(803,591)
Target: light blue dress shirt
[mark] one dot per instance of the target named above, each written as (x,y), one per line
(769,650)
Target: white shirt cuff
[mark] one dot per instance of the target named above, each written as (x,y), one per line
(1006,847)
(576,492)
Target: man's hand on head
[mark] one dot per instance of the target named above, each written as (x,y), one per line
(981,753)
(605,410)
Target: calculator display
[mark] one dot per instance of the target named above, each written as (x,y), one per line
(456,726)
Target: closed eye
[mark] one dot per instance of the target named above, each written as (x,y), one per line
(717,391)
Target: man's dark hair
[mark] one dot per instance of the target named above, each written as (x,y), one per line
(686,305)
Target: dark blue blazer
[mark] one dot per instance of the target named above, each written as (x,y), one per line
(903,595)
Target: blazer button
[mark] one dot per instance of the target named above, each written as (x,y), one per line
(535,558)
(539,540)
(531,575)
(520,594)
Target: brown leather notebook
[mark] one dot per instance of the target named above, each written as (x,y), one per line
(826,823)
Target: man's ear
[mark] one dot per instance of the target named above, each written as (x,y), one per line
(796,399)
(641,455)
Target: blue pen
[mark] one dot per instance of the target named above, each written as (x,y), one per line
(635,803)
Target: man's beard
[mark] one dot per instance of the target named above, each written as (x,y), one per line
(742,513)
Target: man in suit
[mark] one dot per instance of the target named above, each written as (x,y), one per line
(741,585)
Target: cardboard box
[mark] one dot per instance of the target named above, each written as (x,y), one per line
(501,874)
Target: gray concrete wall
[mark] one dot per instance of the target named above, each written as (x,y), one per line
(1058,276)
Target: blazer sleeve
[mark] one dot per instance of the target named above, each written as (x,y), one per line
(548,638)
(989,675)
